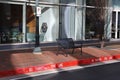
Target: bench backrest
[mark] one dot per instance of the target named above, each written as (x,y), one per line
(66,43)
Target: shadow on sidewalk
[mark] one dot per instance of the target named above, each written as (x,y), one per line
(9,61)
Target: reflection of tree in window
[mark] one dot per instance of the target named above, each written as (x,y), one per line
(95,17)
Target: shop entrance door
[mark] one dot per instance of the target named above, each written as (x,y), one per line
(115,33)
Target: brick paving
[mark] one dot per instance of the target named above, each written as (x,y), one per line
(11,60)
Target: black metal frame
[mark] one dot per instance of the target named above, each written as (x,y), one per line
(67,43)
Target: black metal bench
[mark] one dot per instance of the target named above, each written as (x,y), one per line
(67,43)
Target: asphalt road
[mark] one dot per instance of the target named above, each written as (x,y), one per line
(102,72)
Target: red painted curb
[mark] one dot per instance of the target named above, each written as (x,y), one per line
(56,65)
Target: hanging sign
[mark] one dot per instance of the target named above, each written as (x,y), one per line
(38,10)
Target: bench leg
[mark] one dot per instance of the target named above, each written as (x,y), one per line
(58,51)
(62,49)
(73,51)
(66,52)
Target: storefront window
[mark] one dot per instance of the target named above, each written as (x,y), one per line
(30,23)
(95,19)
(10,23)
(92,24)
(49,23)
(67,19)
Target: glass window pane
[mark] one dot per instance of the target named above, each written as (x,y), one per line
(51,1)
(95,19)
(68,1)
(116,4)
(31,23)
(49,24)
(94,23)
(11,23)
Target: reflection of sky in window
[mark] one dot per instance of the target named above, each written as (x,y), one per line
(116,3)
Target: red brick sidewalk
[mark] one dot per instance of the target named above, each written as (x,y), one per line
(24,61)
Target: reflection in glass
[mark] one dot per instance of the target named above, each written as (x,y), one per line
(10,23)
(113,24)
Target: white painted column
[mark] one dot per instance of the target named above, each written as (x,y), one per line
(80,20)
(24,23)
(116,25)
(84,20)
